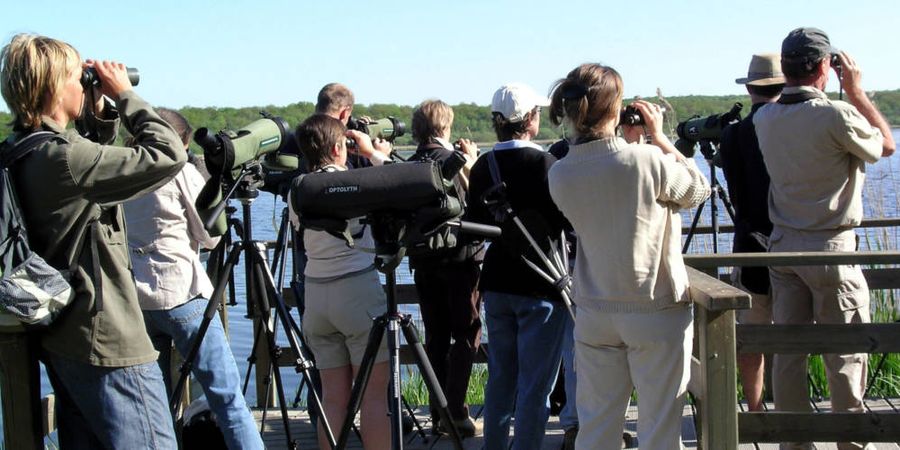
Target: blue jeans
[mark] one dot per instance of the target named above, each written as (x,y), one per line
(110,407)
(214,368)
(568,417)
(525,340)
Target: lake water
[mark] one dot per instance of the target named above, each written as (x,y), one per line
(880,200)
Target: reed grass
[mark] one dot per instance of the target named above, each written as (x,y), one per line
(416,393)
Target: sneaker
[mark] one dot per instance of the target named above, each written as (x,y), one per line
(407,422)
(466,428)
(629,441)
(569,438)
(436,426)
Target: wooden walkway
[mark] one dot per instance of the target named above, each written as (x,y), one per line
(302,431)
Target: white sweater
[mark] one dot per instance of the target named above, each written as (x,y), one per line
(623,202)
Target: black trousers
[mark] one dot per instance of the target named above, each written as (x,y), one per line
(451,304)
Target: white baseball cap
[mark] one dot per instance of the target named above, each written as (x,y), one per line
(515,100)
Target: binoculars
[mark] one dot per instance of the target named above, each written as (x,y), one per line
(90,78)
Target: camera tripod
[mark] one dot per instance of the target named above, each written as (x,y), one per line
(389,253)
(717,192)
(262,296)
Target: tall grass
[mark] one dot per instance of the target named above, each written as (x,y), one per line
(416,393)
(881,200)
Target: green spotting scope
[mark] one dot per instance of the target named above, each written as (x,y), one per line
(704,129)
(389,128)
(227,153)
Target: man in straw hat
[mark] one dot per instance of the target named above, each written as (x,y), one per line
(748,186)
(815,151)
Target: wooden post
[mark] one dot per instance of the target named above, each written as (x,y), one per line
(21,391)
(717,356)
(715,303)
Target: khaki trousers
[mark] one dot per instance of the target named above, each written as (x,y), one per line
(615,352)
(818,294)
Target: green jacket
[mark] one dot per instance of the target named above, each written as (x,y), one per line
(70,182)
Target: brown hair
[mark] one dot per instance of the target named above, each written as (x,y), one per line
(768,91)
(506,130)
(33,73)
(332,98)
(589,98)
(316,136)
(800,70)
(431,119)
(178,122)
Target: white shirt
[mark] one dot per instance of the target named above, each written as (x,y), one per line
(164,236)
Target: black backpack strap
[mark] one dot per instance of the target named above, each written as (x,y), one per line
(24,146)
(799,97)
(423,152)
(494,168)
(494,197)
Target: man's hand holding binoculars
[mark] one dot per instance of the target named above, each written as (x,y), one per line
(377,151)
(849,75)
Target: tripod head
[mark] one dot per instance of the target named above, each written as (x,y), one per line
(246,187)
(211,203)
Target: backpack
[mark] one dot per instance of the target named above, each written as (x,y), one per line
(32,292)
(448,249)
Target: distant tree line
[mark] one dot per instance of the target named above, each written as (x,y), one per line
(474,121)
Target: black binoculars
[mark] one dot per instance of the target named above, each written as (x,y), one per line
(90,78)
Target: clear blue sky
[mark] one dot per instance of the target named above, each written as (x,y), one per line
(258,53)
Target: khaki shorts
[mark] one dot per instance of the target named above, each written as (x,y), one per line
(760,312)
(338,318)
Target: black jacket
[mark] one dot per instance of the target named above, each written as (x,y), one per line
(524,171)
(467,250)
(748,187)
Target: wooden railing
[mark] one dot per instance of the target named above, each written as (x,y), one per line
(723,429)
(714,371)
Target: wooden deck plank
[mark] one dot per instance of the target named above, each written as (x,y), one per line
(273,435)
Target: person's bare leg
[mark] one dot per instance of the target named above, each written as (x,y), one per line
(751,370)
(374,423)
(336,385)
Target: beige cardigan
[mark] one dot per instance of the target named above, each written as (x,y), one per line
(623,202)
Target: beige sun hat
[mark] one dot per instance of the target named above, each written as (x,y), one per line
(765,70)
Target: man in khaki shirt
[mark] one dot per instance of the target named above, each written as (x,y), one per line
(815,150)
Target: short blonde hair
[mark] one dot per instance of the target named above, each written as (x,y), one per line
(431,119)
(33,71)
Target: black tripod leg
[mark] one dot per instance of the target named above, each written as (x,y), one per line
(208,315)
(251,360)
(362,379)
(395,406)
(301,363)
(264,312)
(416,424)
(690,235)
(431,381)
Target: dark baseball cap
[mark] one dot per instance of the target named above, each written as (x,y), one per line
(806,42)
